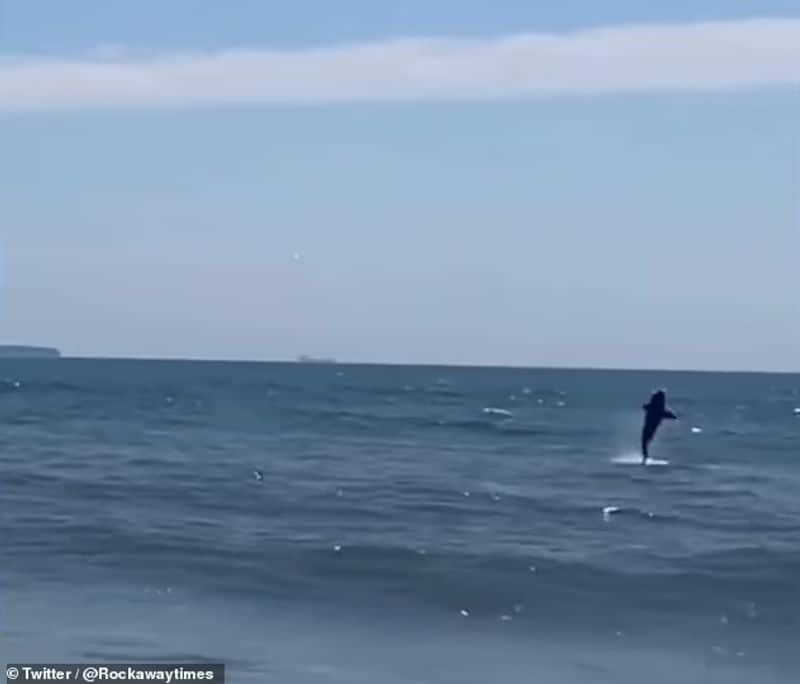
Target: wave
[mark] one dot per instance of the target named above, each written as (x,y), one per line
(371,420)
(46,387)
(536,588)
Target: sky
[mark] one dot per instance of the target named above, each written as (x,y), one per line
(609,184)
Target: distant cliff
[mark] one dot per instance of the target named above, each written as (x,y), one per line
(16,351)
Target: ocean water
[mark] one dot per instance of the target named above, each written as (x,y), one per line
(398,531)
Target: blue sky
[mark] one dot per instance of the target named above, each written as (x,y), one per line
(646,216)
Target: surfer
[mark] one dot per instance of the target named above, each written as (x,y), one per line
(654,412)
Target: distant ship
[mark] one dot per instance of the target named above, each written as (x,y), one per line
(314,359)
(19,351)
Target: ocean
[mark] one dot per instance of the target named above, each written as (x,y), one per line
(340,523)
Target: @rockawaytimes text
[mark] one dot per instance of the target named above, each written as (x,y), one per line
(134,672)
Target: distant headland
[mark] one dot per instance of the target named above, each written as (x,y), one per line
(20,351)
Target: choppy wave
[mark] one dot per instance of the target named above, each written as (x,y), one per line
(543,590)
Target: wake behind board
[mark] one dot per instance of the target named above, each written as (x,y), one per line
(635,459)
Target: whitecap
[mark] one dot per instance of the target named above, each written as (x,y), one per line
(636,459)
(492,411)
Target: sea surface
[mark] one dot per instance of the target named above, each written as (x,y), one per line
(374,524)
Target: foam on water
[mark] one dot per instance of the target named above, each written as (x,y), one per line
(636,459)
(493,411)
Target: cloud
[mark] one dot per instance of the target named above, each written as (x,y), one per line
(710,56)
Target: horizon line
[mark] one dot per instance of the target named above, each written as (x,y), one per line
(399,364)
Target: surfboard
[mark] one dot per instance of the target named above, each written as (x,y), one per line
(635,459)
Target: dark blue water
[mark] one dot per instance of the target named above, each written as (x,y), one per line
(400,533)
